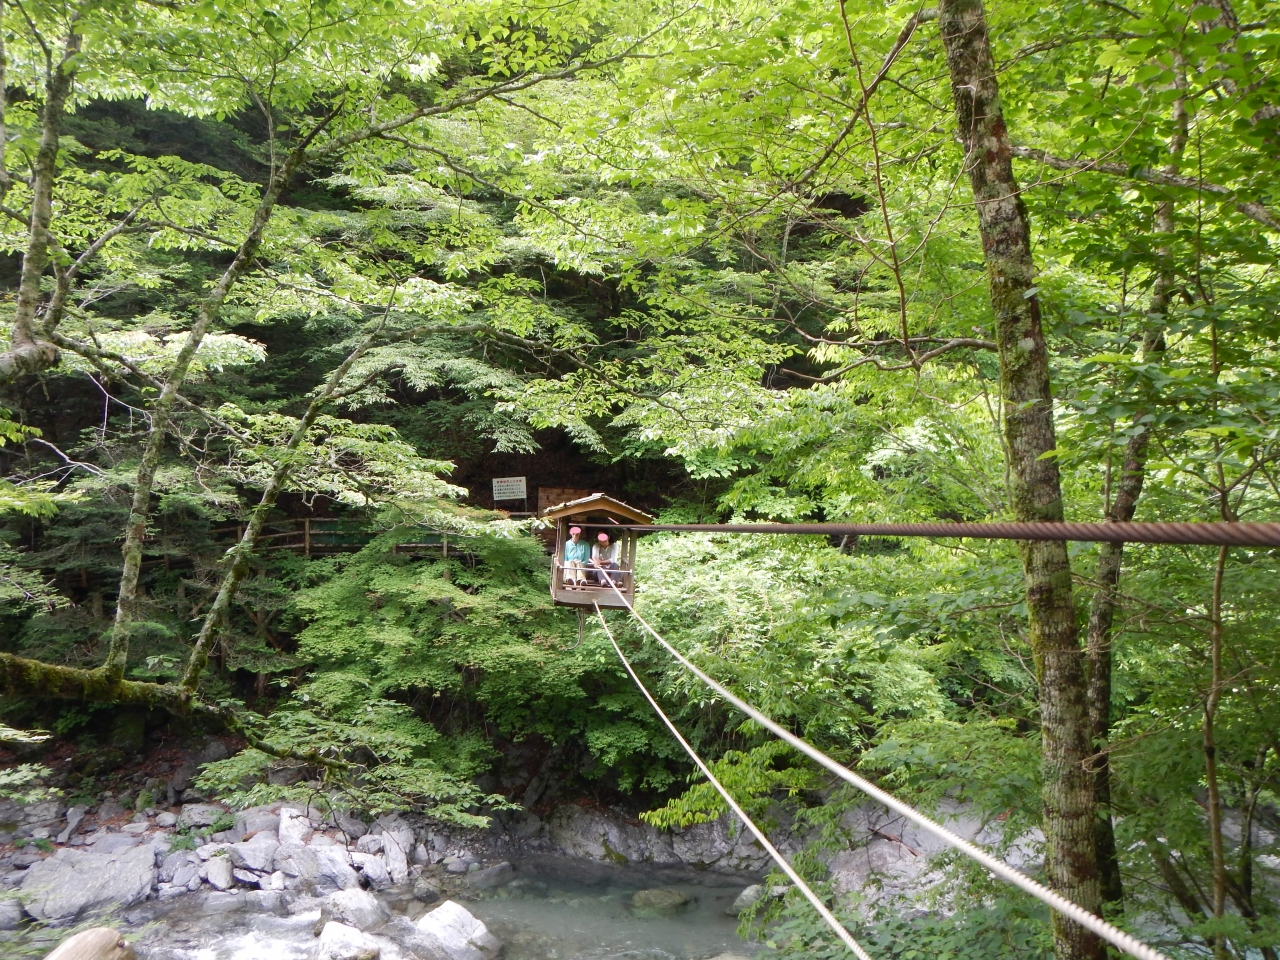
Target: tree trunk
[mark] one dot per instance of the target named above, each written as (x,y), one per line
(136,528)
(1121,510)
(1035,485)
(238,556)
(27,353)
(1209,735)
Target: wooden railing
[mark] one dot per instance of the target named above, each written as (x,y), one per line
(323,536)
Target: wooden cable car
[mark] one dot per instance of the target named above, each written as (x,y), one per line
(593,514)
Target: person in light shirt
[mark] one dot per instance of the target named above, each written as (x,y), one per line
(604,556)
(577,558)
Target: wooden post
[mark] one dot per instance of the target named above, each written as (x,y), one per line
(446,545)
(306,535)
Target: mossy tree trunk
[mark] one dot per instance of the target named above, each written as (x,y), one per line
(1036,492)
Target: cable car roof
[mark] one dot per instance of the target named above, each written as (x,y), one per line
(596,503)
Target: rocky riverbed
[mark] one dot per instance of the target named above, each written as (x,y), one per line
(199,881)
(202,882)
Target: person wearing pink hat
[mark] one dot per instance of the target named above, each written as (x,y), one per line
(577,557)
(604,556)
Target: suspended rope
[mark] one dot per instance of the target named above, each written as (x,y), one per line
(1112,934)
(778,858)
(1220,534)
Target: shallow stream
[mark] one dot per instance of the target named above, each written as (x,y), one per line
(554,910)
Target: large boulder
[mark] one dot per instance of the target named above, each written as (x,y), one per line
(295,827)
(353,827)
(257,820)
(219,872)
(10,914)
(72,883)
(374,869)
(450,932)
(340,942)
(498,875)
(174,862)
(397,848)
(323,869)
(100,943)
(659,900)
(356,908)
(199,814)
(747,899)
(258,853)
(597,835)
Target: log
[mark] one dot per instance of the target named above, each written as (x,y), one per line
(100,943)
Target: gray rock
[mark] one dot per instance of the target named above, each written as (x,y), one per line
(208,850)
(267,901)
(44,812)
(374,869)
(166,819)
(421,855)
(136,829)
(528,828)
(219,872)
(356,908)
(257,853)
(294,826)
(450,931)
(351,826)
(10,914)
(215,904)
(324,869)
(74,816)
(213,751)
(659,900)
(173,862)
(187,876)
(115,842)
(257,820)
(369,844)
(248,877)
(72,882)
(339,942)
(598,835)
(498,875)
(455,865)
(747,899)
(182,776)
(397,844)
(109,810)
(426,890)
(199,814)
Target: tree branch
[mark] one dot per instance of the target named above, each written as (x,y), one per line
(1250,208)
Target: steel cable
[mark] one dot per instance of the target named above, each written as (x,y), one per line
(778,858)
(1219,534)
(1112,934)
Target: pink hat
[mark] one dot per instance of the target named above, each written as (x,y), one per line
(602,537)
(573,530)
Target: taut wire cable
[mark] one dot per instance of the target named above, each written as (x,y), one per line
(1216,533)
(1112,934)
(778,858)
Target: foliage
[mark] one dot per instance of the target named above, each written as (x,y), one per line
(723,245)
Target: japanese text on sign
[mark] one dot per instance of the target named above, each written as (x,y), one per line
(509,488)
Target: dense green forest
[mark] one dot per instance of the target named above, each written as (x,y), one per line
(850,261)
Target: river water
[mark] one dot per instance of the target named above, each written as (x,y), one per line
(554,910)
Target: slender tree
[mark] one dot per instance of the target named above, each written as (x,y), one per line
(1036,492)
